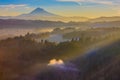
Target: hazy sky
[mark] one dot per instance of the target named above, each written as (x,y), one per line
(86,8)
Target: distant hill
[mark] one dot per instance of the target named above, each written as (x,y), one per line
(16,23)
(105,19)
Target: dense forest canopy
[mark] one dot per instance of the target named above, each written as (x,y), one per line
(23,58)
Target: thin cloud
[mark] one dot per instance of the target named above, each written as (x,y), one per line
(13,9)
(104,2)
(13,6)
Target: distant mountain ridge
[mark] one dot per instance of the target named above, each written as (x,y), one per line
(15,23)
(38,10)
(106,19)
(41,14)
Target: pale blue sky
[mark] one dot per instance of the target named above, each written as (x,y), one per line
(86,8)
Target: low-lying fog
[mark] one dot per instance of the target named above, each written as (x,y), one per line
(54,38)
(10,33)
(5,33)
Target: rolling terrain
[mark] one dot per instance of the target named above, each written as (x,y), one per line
(22,58)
